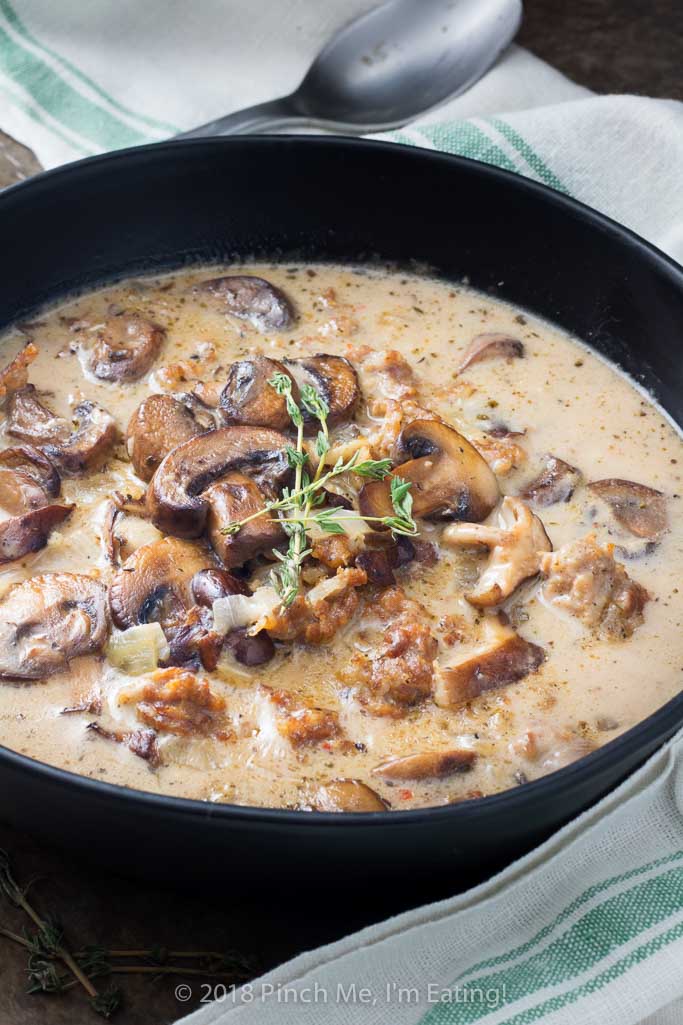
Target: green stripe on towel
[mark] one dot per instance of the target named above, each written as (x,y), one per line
(603,929)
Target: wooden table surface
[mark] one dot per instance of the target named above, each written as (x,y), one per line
(608,45)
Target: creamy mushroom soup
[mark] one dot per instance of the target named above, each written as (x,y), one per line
(327,538)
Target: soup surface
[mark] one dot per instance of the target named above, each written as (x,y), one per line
(327,538)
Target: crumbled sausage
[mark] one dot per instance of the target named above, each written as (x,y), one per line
(399,674)
(584,580)
(176,701)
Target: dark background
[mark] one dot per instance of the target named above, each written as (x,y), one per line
(616,46)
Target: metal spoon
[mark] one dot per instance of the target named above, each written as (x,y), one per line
(387,67)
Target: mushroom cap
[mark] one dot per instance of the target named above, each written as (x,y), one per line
(516,547)
(502,657)
(233,498)
(176,501)
(20,535)
(346,795)
(426,765)
(33,474)
(71,451)
(155,583)
(449,478)
(638,508)
(491,346)
(249,399)
(47,620)
(89,445)
(556,482)
(253,299)
(125,348)
(159,423)
(335,378)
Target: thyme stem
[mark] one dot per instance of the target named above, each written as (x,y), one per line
(17,896)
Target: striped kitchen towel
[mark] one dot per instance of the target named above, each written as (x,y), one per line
(78,79)
(589,927)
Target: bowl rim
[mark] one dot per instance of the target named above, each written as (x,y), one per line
(663,721)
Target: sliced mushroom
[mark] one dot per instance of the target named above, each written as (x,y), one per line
(501,658)
(142,743)
(335,379)
(248,650)
(234,498)
(641,510)
(450,479)
(155,583)
(159,424)
(72,451)
(346,795)
(125,348)
(426,765)
(48,620)
(28,485)
(252,299)
(516,546)
(556,482)
(28,480)
(491,346)
(20,535)
(176,501)
(249,399)
(208,585)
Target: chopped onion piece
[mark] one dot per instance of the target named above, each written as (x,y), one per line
(353,525)
(325,589)
(240,610)
(139,649)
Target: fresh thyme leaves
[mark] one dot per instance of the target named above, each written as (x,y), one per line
(48,957)
(297,504)
(402,501)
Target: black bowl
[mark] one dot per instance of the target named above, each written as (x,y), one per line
(298,199)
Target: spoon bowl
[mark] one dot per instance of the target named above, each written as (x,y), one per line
(387,67)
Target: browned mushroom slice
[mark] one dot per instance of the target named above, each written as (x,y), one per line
(159,424)
(249,399)
(346,795)
(252,299)
(48,620)
(208,585)
(27,479)
(20,535)
(72,451)
(233,498)
(125,347)
(641,510)
(501,658)
(335,379)
(426,765)
(30,420)
(449,478)
(155,583)
(556,482)
(176,501)
(516,547)
(491,346)
(142,743)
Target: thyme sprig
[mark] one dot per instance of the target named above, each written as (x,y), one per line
(54,969)
(295,507)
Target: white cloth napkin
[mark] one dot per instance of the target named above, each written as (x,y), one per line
(589,927)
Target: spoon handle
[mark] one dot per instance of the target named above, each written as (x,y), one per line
(263,117)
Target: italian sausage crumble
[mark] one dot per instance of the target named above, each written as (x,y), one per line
(327,538)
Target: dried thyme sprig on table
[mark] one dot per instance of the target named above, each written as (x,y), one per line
(297,504)
(47,952)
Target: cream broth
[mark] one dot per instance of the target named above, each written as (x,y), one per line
(558,399)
